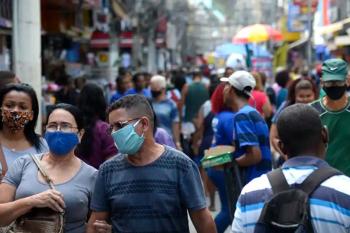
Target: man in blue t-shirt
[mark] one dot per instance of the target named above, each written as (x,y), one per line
(139,86)
(148,187)
(251,134)
(165,109)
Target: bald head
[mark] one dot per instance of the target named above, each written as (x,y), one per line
(300,130)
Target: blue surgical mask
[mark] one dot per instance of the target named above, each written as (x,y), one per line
(61,143)
(127,140)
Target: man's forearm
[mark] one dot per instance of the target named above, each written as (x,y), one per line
(206,227)
(247,160)
(176,132)
(203,221)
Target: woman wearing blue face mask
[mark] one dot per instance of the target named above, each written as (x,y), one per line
(24,188)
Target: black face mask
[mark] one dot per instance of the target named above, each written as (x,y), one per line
(155,94)
(335,93)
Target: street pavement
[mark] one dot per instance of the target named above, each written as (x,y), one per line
(214,213)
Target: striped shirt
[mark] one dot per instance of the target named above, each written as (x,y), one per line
(250,129)
(330,202)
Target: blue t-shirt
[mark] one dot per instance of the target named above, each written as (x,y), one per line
(150,198)
(250,129)
(281,97)
(223,128)
(145,92)
(116,96)
(278,112)
(167,113)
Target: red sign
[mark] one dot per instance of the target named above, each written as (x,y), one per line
(304,4)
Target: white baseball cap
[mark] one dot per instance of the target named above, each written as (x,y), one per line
(240,80)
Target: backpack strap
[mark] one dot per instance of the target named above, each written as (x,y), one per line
(278,181)
(317,177)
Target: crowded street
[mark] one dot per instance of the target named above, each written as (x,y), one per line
(174,116)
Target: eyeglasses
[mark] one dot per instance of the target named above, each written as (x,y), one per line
(120,124)
(63,127)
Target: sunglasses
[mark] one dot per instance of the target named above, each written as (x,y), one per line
(119,125)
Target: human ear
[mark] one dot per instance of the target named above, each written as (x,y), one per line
(81,134)
(282,148)
(325,135)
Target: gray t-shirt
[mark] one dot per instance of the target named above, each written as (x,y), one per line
(77,192)
(152,198)
(12,155)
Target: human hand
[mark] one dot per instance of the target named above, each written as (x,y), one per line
(102,226)
(178,146)
(50,198)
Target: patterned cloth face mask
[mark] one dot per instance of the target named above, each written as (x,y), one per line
(16,120)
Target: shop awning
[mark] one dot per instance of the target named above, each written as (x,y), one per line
(334,27)
(342,40)
(126,40)
(99,40)
(297,43)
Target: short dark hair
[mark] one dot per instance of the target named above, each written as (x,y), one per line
(136,76)
(78,116)
(282,78)
(29,129)
(6,77)
(135,105)
(243,94)
(299,128)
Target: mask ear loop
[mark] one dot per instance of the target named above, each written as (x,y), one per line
(134,125)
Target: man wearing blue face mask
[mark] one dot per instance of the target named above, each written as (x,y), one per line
(148,187)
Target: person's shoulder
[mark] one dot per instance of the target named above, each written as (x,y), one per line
(170,102)
(131,91)
(177,159)
(114,163)
(88,168)
(248,113)
(318,106)
(26,159)
(225,115)
(259,183)
(338,184)
(89,172)
(258,94)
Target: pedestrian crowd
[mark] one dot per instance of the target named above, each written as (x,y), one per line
(133,160)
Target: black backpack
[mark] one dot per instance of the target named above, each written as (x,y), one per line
(288,210)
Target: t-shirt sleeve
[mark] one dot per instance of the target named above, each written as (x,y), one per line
(245,129)
(14,173)
(99,201)
(191,189)
(238,220)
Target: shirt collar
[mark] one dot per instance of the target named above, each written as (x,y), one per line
(305,161)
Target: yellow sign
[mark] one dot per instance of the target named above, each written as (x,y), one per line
(287,36)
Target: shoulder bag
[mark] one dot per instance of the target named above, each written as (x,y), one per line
(39,220)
